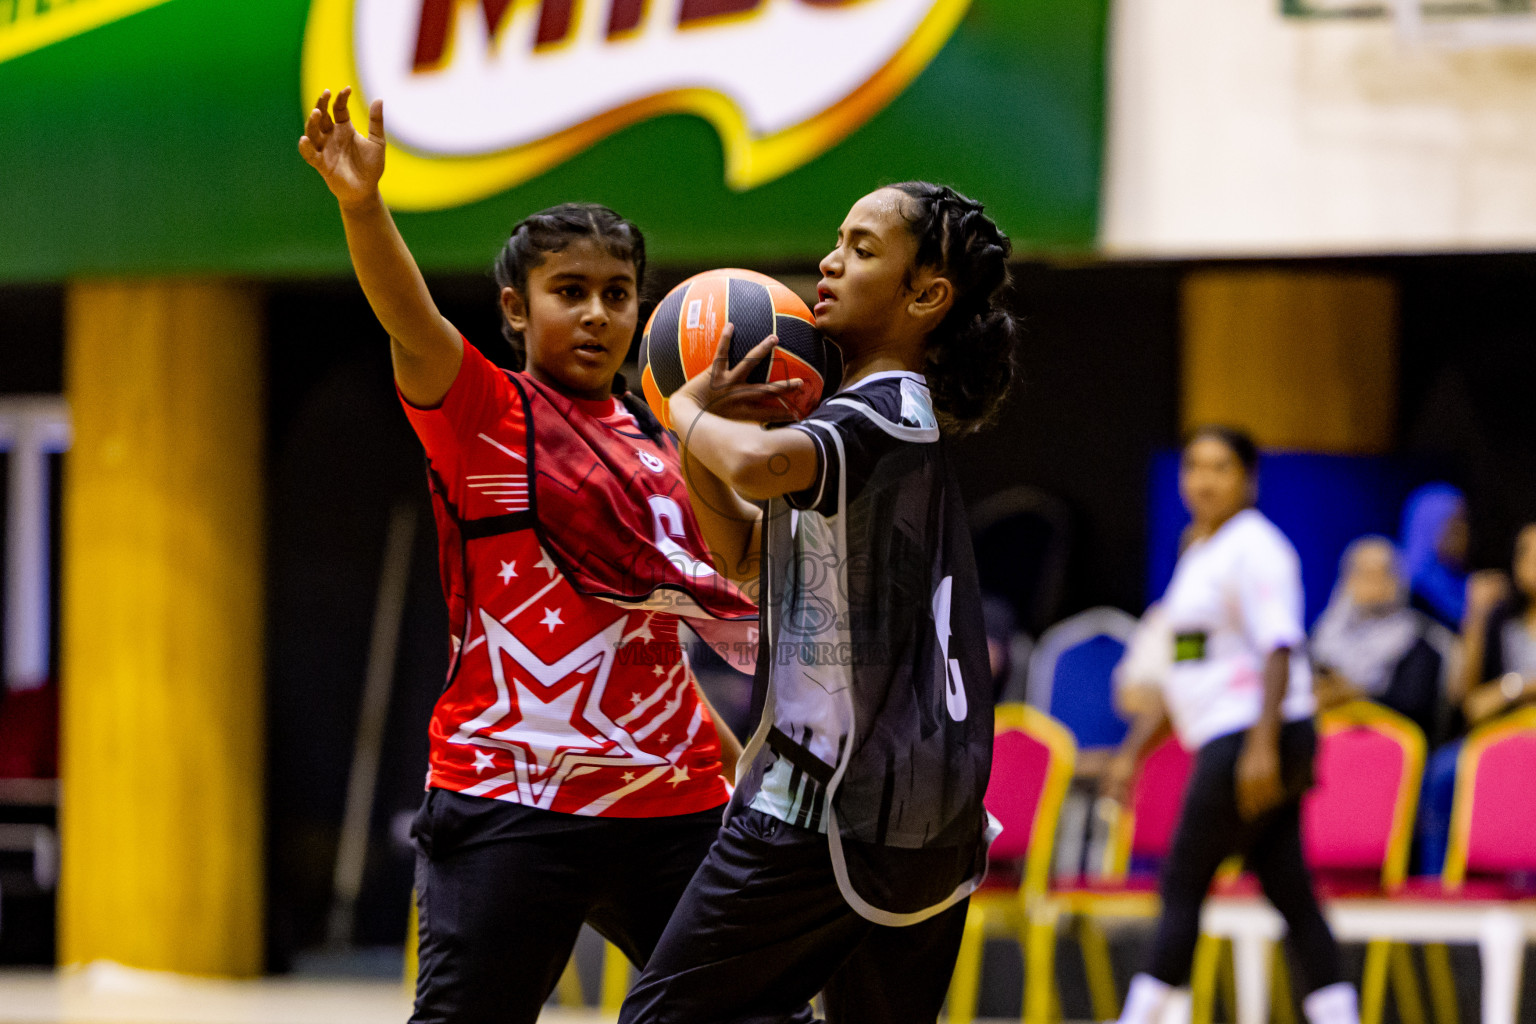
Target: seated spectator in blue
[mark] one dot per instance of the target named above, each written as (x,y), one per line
(1435,552)
(1498,675)
(1369,645)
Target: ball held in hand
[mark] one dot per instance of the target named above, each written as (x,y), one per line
(683,335)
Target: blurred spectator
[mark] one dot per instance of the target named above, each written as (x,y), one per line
(1498,675)
(1435,552)
(1148,659)
(1369,645)
(997,614)
(1501,637)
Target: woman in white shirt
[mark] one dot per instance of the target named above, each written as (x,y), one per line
(1240,694)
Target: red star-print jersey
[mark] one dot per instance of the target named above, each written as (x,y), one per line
(555,700)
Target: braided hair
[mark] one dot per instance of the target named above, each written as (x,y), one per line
(972,360)
(552,230)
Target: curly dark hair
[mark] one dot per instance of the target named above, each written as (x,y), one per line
(552,230)
(972,358)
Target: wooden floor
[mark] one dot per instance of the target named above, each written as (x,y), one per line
(108,994)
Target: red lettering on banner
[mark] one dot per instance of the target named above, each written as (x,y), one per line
(554,21)
(555,17)
(625,16)
(699,10)
(437,17)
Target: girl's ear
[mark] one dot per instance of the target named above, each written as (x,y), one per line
(933,295)
(514,309)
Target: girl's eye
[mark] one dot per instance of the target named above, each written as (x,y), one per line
(862,254)
(617,295)
(571,291)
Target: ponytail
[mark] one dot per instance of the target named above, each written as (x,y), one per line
(972,358)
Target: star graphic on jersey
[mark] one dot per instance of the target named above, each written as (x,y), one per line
(628,776)
(508,571)
(549,717)
(484,759)
(664,737)
(547,563)
(635,699)
(679,774)
(658,671)
(551,619)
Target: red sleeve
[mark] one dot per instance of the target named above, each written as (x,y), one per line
(478,398)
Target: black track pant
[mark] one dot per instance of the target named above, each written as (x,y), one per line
(1210,830)
(502,892)
(763,928)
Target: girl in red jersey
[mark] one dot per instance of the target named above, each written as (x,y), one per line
(575,769)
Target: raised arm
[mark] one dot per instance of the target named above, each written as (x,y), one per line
(425,347)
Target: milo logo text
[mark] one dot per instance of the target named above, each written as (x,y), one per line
(482,95)
(556,20)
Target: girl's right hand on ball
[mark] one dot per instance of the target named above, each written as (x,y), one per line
(725,390)
(350,163)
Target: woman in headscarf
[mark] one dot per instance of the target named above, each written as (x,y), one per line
(1369,645)
(1435,552)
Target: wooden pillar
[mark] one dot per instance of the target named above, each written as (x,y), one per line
(162,633)
(1302,360)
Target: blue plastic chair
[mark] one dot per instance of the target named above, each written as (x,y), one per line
(1071,674)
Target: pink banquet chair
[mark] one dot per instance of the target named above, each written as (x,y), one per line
(1032,760)
(1123,885)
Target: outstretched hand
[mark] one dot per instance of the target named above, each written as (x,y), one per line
(350,163)
(725,391)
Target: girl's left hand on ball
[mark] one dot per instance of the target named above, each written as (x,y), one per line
(725,391)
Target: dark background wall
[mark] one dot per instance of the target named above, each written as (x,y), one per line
(1467,397)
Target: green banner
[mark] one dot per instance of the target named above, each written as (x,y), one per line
(159,136)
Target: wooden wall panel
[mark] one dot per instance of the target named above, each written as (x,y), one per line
(1304,361)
